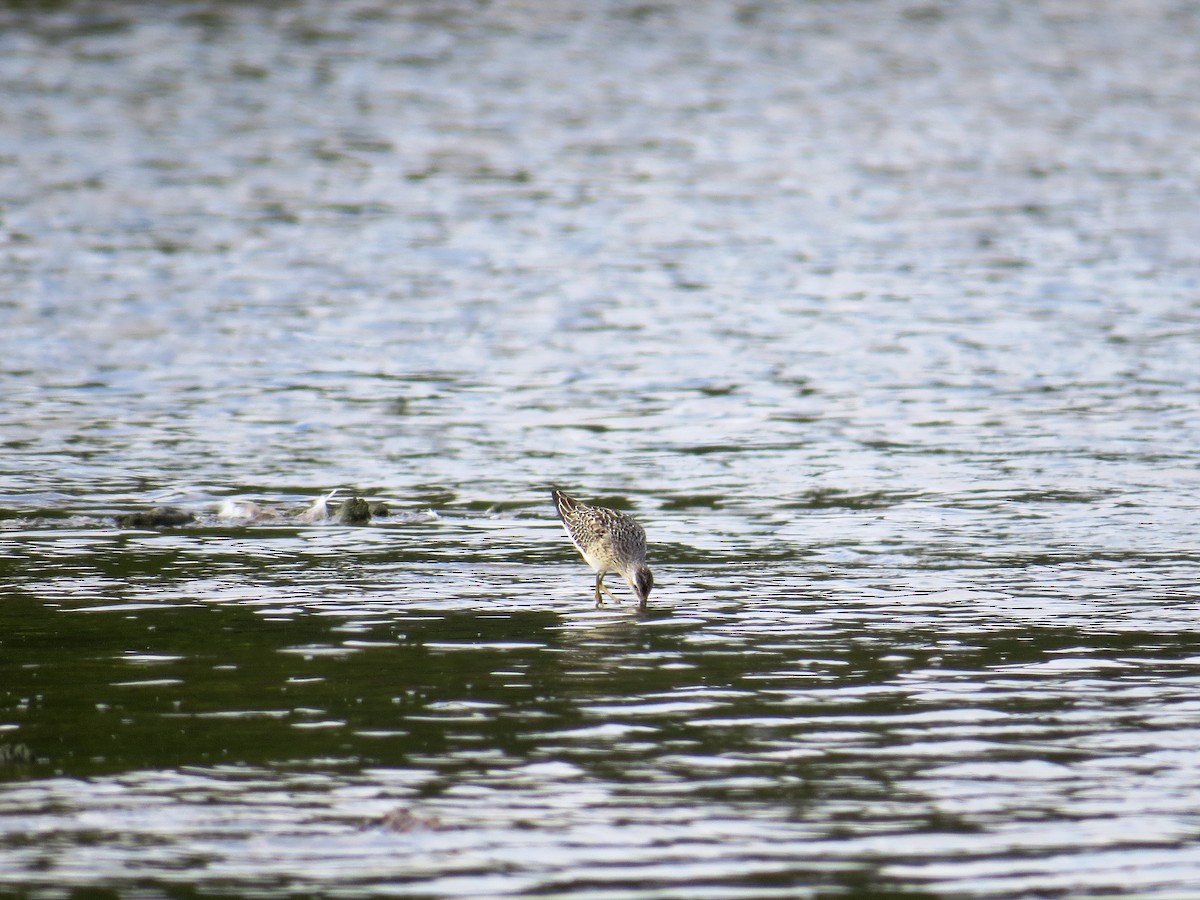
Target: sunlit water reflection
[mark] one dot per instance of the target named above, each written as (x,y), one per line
(880,317)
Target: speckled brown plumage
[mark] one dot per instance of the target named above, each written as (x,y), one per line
(609,541)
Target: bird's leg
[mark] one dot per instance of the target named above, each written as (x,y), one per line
(601,586)
(599,583)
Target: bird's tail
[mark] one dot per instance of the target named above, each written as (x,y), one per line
(564,504)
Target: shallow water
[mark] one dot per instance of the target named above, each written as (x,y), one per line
(880,316)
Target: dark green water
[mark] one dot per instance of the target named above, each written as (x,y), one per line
(880,317)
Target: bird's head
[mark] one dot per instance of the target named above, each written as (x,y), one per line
(641,582)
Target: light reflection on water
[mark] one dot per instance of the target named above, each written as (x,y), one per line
(543,744)
(880,318)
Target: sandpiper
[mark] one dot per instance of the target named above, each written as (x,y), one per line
(609,541)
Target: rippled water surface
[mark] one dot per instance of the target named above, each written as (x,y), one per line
(881,317)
